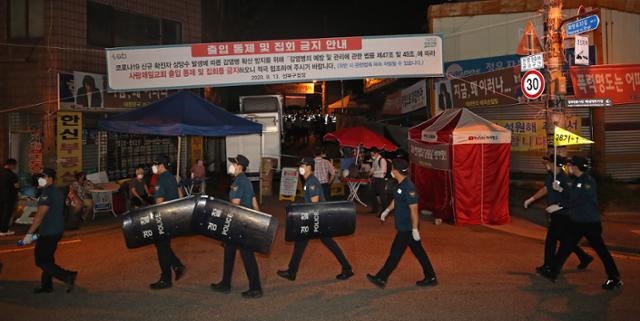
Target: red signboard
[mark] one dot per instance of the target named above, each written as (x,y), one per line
(620,83)
(275,46)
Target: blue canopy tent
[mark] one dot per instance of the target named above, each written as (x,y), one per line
(180,114)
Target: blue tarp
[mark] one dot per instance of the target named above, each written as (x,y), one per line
(181,114)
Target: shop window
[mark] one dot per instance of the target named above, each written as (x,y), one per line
(110,27)
(26,19)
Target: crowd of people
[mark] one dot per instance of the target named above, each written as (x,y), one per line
(570,190)
(301,125)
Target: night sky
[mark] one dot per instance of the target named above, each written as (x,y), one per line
(287,19)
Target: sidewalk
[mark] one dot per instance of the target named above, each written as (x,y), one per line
(621,230)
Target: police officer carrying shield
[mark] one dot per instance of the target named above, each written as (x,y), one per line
(559,222)
(241,193)
(405,203)
(49,222)
(313,194)
(582,203)
(166,190)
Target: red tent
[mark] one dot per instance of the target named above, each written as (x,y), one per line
(356,136)
(460,165)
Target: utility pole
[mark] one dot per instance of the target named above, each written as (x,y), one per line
(554,56)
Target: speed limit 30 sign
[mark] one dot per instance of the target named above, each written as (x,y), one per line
(532,84)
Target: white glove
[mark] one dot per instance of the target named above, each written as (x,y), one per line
(416,234)
(384,214)
(556,186)
(553,208)
(528,202)
(28,238)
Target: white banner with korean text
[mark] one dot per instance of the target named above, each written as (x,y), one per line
(273,61)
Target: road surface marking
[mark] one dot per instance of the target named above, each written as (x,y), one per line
(20,249)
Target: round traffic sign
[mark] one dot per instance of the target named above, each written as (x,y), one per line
(532,84)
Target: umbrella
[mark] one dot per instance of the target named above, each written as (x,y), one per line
(360,136)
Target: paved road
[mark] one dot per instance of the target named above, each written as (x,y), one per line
(484,275)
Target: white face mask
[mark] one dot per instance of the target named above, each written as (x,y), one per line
(393,175)
(301,171)
(570,170)
(42,182)
(154,169)
(140,176)
(232,169)
(548,168)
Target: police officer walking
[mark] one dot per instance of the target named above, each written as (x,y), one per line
(405,203)
(585,217)
(166,190)
(559,222)
(241,193)
(313,194)
(49,222)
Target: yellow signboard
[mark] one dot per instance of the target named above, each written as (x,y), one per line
(563,137)
(526,135)
(69,146)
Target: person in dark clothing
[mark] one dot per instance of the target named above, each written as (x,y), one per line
(166,190)
(582,202)
(241,193)
(88,95)
(49,222)
(8,195)
(313,194)
(559,222)
(405,203)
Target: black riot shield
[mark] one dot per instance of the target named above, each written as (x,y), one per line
(146,225)
(315,220)
(234,224)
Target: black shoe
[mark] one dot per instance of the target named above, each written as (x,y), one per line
(252,294)
(42,290)
(180,271)
(432,281)
(542,268)
(160,285)
(222,288)
(612,284)
(377,281)
(549,275)
(344,275)
(287,274)
(584,263)
(71,281)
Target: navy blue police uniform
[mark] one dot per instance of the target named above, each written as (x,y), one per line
(51,230)
(584,214)
(312,188)
(243,190)
(404,196)
(559,223)
(167,189)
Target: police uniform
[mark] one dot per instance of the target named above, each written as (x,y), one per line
(404,196)
(51,230)
(243,190)
(582,205)
(312,188)
(559,223)
(167,188)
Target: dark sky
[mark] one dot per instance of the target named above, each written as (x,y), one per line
(285,19)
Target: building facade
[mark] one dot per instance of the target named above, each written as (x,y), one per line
(44,39)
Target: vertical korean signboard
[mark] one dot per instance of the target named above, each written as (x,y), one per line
(274,61)
(69,146)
